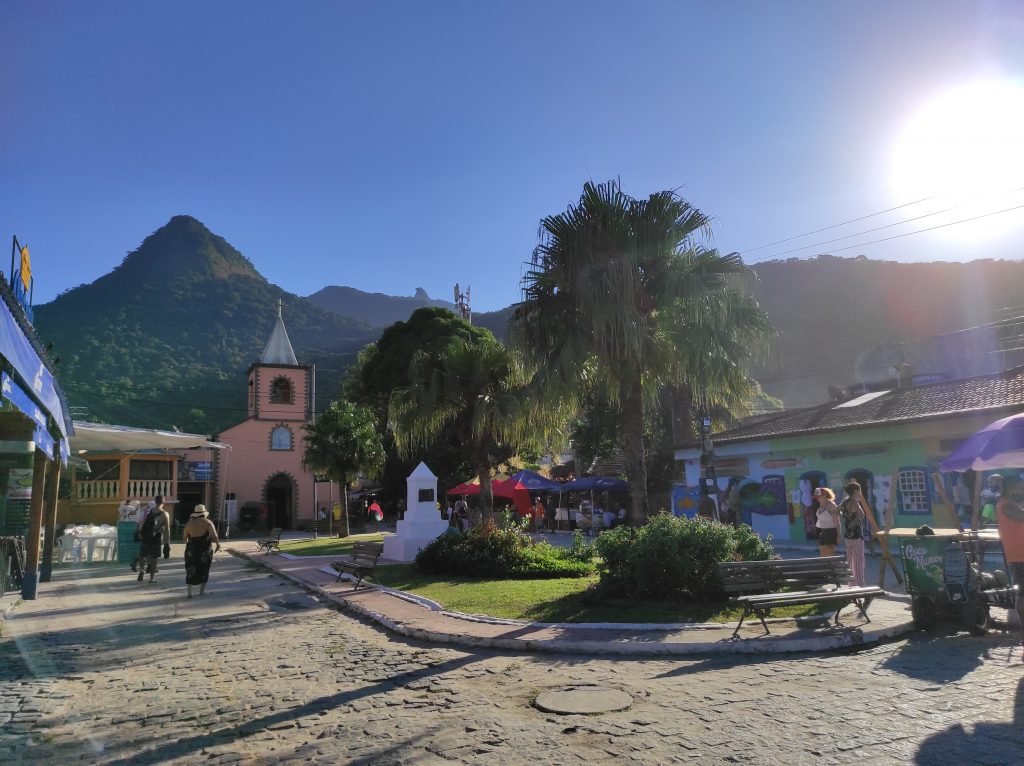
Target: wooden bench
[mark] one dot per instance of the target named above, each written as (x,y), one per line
(272,543)
(760,586)
(360,562)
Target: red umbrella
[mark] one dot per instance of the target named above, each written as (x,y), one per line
(466,488)
(515,491)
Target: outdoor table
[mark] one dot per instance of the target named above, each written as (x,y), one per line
(87,542)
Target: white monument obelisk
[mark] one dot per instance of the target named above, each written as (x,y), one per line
(422,522)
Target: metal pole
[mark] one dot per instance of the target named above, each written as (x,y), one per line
(50,516)
(30,583)
(344,489)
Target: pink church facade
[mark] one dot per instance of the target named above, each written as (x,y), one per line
(263,466)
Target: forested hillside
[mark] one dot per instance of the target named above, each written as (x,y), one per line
(165,339)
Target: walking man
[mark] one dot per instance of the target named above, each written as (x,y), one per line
(154,531)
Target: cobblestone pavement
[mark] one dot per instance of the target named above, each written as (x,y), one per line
(101,669)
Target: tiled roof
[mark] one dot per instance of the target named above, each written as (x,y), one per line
(997,393)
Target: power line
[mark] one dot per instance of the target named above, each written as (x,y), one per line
(856,234)
(932,228)
(836,225)
(868,231)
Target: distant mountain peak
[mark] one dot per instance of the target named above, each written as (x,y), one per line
(421,295)
(184,245)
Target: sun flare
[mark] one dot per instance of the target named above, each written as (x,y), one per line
(965,144)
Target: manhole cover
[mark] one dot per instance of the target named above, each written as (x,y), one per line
(588,700)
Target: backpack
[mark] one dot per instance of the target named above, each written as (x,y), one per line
(152,527)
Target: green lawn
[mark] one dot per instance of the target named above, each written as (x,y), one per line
(327,546)
(563,599)
(556,600)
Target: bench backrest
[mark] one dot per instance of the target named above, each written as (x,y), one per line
(366,553)
(743,577)
(275,534)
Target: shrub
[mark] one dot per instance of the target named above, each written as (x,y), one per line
(502,552)
(673,558)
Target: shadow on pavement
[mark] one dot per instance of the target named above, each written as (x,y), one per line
(960,655)
(222,737)
(995,743)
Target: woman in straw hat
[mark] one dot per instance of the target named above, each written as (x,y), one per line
(200,539)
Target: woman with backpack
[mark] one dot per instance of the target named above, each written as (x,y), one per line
(855,513)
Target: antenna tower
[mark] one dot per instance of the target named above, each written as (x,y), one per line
(462,303)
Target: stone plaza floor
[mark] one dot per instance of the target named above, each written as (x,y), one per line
(102,669)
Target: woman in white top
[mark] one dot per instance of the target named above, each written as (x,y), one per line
(828,521)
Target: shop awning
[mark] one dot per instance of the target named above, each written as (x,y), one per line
(16,348)
(96,437)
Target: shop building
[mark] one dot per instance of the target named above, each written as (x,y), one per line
(890,441)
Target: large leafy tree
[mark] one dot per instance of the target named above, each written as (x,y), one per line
(475,390)
(384,366)
(342,443)
(623,294)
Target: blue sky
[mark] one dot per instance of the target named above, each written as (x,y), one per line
(396,145)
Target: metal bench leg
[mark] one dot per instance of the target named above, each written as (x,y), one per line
(740,623)
(864,607)
(358,580)
(760,616)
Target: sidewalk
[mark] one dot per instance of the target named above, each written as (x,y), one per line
(418,618)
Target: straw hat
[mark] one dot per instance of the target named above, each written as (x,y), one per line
(200,510)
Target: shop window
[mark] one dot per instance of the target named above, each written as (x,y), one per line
(281,391)
(281,438)
(149,470)
(914,495)
(103,470)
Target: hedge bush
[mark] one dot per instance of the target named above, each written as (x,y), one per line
(507,552)
(674,558)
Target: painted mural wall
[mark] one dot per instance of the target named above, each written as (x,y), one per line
(896,465)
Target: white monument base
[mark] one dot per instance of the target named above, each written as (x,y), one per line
(405,548)
(422,523)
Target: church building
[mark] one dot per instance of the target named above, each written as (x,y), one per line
(263,468)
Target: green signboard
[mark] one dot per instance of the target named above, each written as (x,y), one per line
(923,558)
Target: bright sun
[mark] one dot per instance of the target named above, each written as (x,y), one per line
(965,144)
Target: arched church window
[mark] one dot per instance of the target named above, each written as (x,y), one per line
(281,438)
(281,391)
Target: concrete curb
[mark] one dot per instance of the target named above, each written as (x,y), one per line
(839,640)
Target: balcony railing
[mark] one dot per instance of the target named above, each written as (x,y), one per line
(110,489)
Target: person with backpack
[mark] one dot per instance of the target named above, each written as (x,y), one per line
(155,530)
(855,513)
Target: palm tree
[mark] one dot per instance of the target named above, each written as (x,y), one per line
(342,443)
(623,294)
(476,388)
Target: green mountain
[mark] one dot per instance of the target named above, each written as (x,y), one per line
(844,321)
(166,338)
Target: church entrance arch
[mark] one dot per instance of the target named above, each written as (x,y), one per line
(280,494)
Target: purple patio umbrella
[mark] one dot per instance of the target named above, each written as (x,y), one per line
(997,445)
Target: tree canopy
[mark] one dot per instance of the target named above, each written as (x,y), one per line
(624,296)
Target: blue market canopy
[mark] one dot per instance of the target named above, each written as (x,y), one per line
(535,482)
(997,445)
(596,484)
